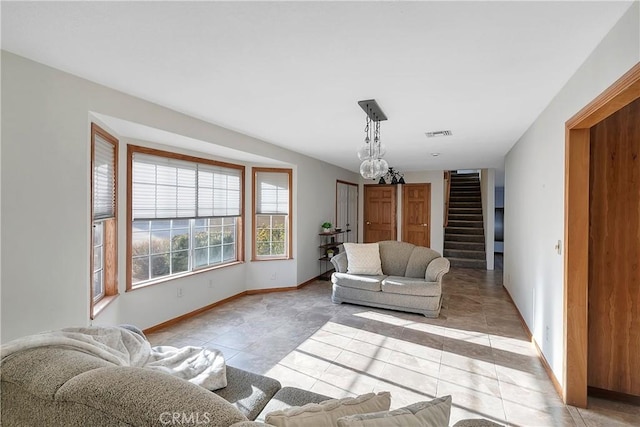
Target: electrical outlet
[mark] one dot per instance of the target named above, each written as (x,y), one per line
(274,276)
(210,283)
(547,332)
(179,292)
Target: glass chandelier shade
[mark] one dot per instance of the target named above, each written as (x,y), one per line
(373,168)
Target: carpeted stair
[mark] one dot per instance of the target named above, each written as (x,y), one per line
(464,235)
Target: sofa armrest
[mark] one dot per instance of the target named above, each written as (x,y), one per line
(339,262)
(437,268)
(139,396)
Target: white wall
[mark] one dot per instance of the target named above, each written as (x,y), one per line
(534,191)
(487,189)
(46,196)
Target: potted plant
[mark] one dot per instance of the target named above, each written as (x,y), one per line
(329,253)
(326,227)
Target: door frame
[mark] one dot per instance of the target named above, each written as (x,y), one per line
(357,226)
(576,229)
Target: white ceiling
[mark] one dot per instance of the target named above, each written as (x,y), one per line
(291,73)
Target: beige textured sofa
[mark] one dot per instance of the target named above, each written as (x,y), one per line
(411,280)
(58,386)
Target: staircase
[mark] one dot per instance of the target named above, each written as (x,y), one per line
(464,234)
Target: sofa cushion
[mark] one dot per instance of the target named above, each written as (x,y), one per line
(395,256)
(247,391)
(327,413)
(434,413)
(288,397)
(419,260)
(369,283)
(410,286)
(363,258)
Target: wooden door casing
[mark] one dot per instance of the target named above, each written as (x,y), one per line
(379,212)
(614,253)
(416,214)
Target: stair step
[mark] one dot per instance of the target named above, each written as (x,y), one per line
(468,263)
(456,204)
(464,254)
(460,237)
(467,246)
(476,199)
(465,223)
(465,217)
(466,210)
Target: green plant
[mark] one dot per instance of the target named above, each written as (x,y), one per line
(326,224)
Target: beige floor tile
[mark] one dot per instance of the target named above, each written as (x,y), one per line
(476,350)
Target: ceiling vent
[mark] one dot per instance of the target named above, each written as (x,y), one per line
(438,133)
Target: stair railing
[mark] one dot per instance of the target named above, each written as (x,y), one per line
(447,192)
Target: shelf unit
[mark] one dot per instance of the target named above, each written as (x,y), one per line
(330,240)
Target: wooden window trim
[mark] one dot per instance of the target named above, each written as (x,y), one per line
(254,195)
(240,229)
(110,238)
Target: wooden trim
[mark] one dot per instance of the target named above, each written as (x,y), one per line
(623,92)
(613,395)
(102,304)
(240,227)
(193,313)
(545,364)
(576,229)
(129,272)
(254,172)
(185,157)
(576,267)
(110,230)
(447,195)
(183,275)
(224,301)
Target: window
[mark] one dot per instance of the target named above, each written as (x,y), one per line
(103,258)
(272,214)
(185,215)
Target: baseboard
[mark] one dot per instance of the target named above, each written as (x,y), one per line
(194,313)
(545,363)
(613,395)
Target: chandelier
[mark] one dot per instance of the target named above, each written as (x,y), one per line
(393,176)
(373,165)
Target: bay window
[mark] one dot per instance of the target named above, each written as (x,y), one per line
(272,217)
(185,216)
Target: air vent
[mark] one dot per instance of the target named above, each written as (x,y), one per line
(438,133)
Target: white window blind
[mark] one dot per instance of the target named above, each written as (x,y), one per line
(170,188)
(272,193)
(104,193)
(218,191)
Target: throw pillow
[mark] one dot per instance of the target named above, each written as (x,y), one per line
(327,413)
(363,258)
(435,413)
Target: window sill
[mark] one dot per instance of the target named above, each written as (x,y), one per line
(271,259)
(100,305)
(187,274)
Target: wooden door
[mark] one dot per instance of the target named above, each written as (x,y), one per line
(379,212)
(614,253)
(416,214)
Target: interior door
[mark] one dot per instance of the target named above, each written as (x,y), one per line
(416,214)
(614,254)
(347,209)
(379,212)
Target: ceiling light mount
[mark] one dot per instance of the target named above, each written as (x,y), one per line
(373,165)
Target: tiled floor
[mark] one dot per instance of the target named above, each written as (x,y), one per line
(476,351)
